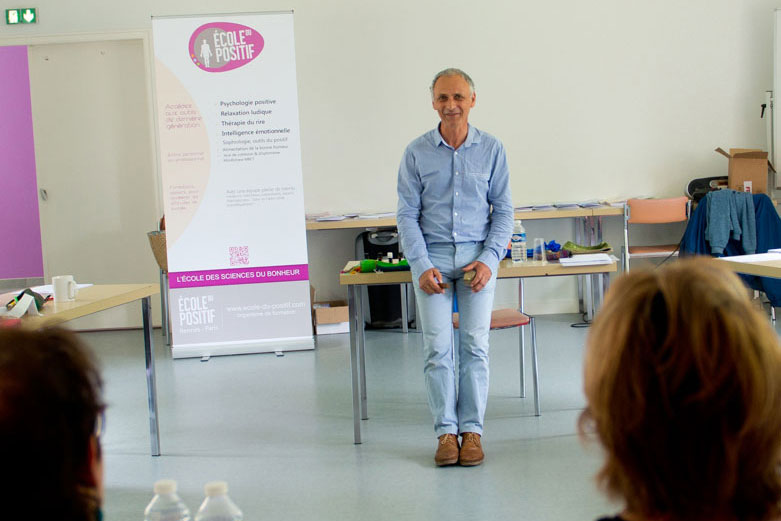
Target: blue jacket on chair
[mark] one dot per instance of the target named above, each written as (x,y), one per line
(768,230)
(730,215)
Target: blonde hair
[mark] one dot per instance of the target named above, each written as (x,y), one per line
(683,384)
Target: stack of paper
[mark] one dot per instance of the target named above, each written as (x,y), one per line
(588,259)
(771,255)
(324,218)
(378,215)
(331,218)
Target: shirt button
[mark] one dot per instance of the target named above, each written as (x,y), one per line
(456,153)
(454,234)
(456,193)
(456,173)
(455,213)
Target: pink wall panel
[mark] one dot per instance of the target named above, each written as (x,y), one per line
(20,229)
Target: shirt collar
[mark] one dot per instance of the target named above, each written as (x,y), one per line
(472,137)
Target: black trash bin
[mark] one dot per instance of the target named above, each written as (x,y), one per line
(384,302)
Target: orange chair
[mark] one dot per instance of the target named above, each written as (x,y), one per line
(652,211)
(505,319)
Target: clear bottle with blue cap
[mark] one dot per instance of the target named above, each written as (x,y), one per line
(518,242)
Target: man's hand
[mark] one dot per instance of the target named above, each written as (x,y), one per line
(482,275)
(430,281)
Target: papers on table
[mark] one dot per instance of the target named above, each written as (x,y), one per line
(47,289)
(587,259)
(342,217)
(757,257)
(380,215)
(350,265)
(592,203)
(331,218)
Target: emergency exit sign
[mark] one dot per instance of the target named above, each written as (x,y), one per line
(26,15)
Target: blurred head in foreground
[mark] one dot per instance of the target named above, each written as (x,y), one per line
(683,383)
(51,414)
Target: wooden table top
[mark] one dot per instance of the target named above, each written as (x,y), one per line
(88,300)
(759,267)
(506,270)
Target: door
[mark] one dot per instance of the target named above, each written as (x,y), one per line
(95,167)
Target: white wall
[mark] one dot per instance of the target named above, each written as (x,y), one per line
(594,99)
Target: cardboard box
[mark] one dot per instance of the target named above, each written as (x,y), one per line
(749,170)
(331,317)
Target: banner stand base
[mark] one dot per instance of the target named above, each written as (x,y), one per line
(243,348)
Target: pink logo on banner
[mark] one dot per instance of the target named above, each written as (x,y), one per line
(224,46)
(230,277)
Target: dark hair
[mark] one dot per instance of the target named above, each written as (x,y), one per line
(50,400)
(683,382)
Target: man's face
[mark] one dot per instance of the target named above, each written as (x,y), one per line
(453,100)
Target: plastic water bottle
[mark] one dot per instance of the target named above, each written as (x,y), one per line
(518,242)
(217,506)
(166,505)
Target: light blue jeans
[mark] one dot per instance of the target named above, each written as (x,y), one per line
(458,406)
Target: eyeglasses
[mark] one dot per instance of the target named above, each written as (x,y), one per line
(100,423)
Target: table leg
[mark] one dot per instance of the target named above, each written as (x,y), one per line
(595,236)
(535,372)
(355,317)
(602,283)
(589,298)
(592,231)
(362,356)
(599,229)
(404,319)
(151,385)
(411,307)
(580,226)
(522,332)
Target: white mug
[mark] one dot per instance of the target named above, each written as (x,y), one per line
(64,288)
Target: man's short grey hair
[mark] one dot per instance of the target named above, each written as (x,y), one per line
(452,71)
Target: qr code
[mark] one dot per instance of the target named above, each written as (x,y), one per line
(239,255)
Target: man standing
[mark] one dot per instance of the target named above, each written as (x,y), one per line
(450,178)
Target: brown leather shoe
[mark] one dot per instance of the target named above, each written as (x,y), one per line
(471,450)
(447,450)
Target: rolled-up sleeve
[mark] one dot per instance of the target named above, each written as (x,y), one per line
(409,190)
(501,200)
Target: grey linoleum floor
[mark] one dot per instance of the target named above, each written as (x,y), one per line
(279,430)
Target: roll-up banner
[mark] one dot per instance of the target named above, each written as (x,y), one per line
(230,159)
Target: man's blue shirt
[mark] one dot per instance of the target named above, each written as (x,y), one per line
(446,196)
